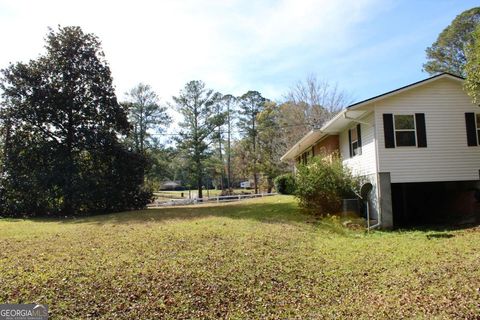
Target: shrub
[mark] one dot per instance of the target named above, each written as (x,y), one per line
(285,183)
(321,185)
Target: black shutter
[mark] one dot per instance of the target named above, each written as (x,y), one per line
(471,129)
(388,130)
(359,137)
(350,143)
(421,130)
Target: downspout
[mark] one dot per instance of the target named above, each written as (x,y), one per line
(377,165)
(368,212)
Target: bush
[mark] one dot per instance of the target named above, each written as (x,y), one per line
(106,180)
(321,185)
(285,183)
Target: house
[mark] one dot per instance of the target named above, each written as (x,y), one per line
(418,146)
(171,185)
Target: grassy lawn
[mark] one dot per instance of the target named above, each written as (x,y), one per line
(255,259)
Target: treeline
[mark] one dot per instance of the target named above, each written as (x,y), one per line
(224,139)
(69,147)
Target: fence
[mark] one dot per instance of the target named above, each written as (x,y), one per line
(217,199)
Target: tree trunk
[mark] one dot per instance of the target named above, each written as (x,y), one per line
(200,189)
(222,175)
(229,169)
(199,179)
(270,184)
(6,144)
(69,168)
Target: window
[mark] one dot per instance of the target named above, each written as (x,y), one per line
(354,141)
(405,130)
(477,116)
(304,158)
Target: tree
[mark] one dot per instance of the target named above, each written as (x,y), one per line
(145,114)
(270,144)
(162,166)
(241,160)
(230,103)
(200,121)
(472,69)
(292,119)
(216,162)
(318,100)
(251,104)
(226,106)
(63,153)
(448,52)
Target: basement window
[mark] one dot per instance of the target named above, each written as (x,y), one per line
(405,135)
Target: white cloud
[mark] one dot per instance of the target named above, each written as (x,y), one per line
(232,45)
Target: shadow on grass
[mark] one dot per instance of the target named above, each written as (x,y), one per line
(281,211)
(440,236)
(439,228)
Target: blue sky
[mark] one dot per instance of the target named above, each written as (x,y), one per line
(366,46)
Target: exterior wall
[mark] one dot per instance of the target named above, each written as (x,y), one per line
(447,156)
(323,147)
(365,163)
(326,146)
(384,197)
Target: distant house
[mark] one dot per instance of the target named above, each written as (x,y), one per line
(245,184)
(417,145)
(170,185)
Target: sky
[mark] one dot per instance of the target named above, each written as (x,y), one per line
(367,47)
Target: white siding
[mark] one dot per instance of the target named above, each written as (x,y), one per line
(365,163)
(447,156)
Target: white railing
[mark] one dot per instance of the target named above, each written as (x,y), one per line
(217,199)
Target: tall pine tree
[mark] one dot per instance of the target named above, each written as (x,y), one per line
(196,104)
(250,105)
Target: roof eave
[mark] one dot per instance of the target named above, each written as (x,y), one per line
(295,149)
(404,88)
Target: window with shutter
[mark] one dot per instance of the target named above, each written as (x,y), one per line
(355,140)
(405,133)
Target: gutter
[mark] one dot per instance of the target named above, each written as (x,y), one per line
(345,116)
(298,144)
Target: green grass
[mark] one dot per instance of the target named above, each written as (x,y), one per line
(259,259)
